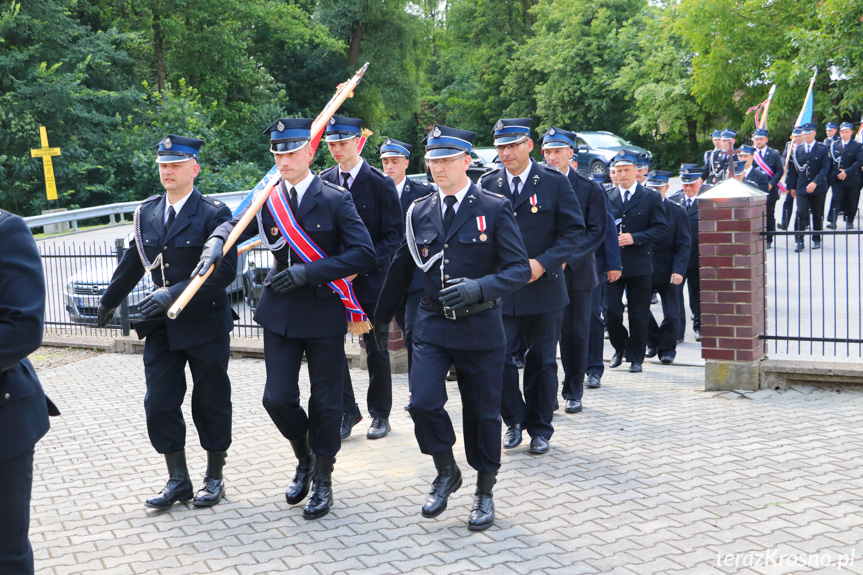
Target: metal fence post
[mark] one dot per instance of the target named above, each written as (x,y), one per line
(124,306)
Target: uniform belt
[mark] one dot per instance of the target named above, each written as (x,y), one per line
(434,305)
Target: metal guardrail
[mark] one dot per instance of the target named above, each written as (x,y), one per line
(110,210)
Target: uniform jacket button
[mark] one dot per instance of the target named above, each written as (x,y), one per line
(167,265)
(167,283)
(7,396)
(446,261)
(445,246)
(446,277)
(165,248)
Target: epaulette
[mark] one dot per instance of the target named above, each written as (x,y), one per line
(328,170)
(490,193)
(425,197)
(378,171)
(333,186)
(151,198)
(584,176)
(676,197)
(491,172)
(213,201)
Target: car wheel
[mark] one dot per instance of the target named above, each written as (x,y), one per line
(598,168)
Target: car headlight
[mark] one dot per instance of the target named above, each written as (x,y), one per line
(70,286)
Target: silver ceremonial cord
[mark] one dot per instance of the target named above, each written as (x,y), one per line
(139,245)
(412,244)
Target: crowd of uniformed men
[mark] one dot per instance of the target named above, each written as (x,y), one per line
(484,277)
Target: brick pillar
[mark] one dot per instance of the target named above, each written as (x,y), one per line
(731,258)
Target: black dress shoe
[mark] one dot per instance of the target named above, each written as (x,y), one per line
(572,406)
(816,245)
(849,225)
(616,360)
(769,245)
(446,483)
(538,445)
(379,428)
(408,406)
(782,227)
(666,358)
(482,513)
(651,352)
(799,247)
(512,437)
(593,382)
(213,489)
(348,423)
(519,362)
(321,500)
(697,335)
(680,339)
(179,486)
(634,367)
(831,225)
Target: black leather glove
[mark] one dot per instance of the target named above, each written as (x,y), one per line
(461,292)
(210,256)
(290,279)
(103,315)
(157,303)
(381,333)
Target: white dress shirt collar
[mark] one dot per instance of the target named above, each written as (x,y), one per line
(301,186)
(178,205)
(459,196)
(631,192)
(522,177)
(354,171)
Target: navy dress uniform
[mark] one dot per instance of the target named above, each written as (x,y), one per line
(24,408)
(477,256)
(377,203)
(847,157)
(643,216)
(607,260)
(810,164)
(690,174)
(716,165)
(552,226)
(301,313)
(788,203)
(772,163)
(580,273)
(167,245)
(408,190)
(831,127)
(670,256)
(753,175)
(716,137)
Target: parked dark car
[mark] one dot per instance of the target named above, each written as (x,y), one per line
(596,150)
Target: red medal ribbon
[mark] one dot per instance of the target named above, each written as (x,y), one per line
(480,223)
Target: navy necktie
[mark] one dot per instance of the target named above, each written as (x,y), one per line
(292,199)
(626,196)
(172,215)
(345,177)
(449,213)
(515,182)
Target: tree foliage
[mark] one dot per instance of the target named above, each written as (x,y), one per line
(110,78)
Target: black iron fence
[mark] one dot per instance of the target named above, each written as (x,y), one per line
(76,276)
(813,293)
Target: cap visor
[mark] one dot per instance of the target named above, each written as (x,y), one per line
(339,137)
(287,147)
(172,158)
(392,155)
(508,139)
(443,153)
(553,145)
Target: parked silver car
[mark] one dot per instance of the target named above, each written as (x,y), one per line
(84,289)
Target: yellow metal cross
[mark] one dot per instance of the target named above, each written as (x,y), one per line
(45,153)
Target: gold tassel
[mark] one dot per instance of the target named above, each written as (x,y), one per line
(359,327)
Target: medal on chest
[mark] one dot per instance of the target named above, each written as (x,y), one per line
(534,209)
(425,252)
(480,225)
(274,231)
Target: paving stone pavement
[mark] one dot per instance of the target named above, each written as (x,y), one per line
(655,476)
